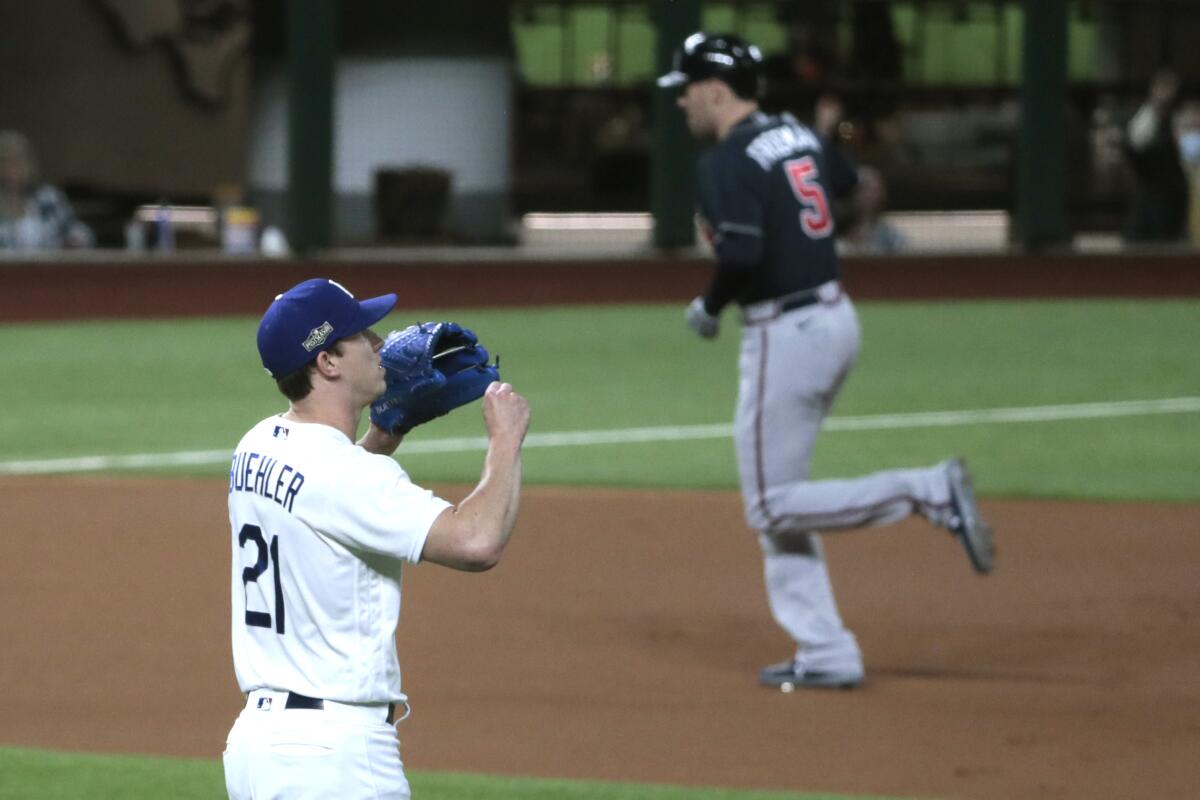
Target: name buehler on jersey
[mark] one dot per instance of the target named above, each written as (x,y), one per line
(322,528)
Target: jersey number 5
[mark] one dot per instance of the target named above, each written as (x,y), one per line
(266,555)
(815,218)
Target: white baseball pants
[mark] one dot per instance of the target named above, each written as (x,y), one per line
(791,367)
(340,751)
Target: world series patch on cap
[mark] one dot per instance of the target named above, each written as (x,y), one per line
(310,317)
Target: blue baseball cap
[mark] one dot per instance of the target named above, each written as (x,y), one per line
(311,316)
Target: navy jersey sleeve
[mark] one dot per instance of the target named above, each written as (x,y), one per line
(733,209)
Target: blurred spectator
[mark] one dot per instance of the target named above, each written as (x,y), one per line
(865,230)
(33,216)
(811,57)
(1187,131)
(830,125)
(1160,192)
(828,116)
(1107,149)
(835,131)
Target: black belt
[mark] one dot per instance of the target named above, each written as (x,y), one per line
(297,700)
(799,301)
(767,310)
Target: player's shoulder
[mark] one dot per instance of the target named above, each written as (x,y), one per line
(758,123)
(744,131)
(259,433)
(279,436)
(321,452)
(275,426)
(731,154)
(777,137)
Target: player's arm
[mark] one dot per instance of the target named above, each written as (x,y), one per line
(472,535)
(733,191)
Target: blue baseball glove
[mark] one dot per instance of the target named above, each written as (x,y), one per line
(432,369)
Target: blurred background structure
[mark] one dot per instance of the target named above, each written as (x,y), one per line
(205,123)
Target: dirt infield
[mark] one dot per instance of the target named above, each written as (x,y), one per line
(621,637)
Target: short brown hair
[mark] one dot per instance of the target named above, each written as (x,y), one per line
(297,385)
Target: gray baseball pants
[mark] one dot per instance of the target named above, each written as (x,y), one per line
(791,367)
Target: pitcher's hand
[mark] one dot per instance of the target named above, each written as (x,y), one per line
(505,413)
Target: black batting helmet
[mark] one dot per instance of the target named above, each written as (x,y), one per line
(722,56)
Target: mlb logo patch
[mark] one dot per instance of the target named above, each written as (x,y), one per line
(281,432)
(264,703)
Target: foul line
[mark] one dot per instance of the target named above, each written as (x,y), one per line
(924,419)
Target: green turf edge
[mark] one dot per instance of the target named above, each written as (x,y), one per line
(195,384)
(30,774)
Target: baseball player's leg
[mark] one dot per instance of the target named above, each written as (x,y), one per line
(801,598)
(237,763)
(781,428)
(879,498)
(792,370)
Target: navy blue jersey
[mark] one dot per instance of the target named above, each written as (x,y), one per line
(766,202)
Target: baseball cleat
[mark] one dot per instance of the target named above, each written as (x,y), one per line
(965,521)
(787,678)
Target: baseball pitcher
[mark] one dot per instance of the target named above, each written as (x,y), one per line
(322,527)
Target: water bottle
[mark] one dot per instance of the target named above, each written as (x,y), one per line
(135,235)
(164,233)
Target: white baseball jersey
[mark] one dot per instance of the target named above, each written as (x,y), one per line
(321,529)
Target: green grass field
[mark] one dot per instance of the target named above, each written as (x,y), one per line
(195,385)
(41,775)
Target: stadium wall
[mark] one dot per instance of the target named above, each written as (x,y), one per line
(94,287)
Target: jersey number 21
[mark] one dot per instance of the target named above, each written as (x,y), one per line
(815,218)
(266,555)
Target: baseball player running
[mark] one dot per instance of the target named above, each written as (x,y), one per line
(321,529)
(765,192)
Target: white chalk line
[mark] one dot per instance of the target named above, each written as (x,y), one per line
(923,419)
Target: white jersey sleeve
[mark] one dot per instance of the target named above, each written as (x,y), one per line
(320,532)
(372,506)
